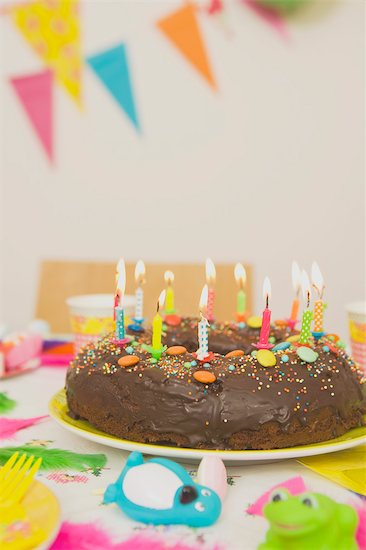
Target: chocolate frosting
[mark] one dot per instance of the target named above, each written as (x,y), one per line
(165,398)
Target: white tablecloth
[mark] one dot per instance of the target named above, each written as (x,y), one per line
(80,495)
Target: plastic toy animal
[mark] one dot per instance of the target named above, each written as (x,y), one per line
(309,521)
(160,491)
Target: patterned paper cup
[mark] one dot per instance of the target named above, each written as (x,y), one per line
(91,316)
(357,327)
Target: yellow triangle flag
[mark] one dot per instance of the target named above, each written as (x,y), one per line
(51,27)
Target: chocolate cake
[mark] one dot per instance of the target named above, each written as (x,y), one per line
(224,337)
(292,395)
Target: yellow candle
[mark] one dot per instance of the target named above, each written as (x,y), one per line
(169,298)
(318,315)
(157,325)
(318,284)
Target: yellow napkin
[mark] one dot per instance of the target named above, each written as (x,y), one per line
(348,468)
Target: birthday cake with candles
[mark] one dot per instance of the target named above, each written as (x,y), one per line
(273,390)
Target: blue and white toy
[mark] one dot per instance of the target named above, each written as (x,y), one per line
(160,491)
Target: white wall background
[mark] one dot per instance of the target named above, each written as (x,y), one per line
(267,170)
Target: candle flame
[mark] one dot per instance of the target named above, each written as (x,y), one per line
(210,272)
(121,277)
(169,277)
(161,300)
(317,279)
(140,272)
(305,285)
(266,290)
(296,277)
(240,275)
(204,299)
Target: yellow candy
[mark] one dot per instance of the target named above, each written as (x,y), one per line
(266,358)
(254,322)
(294,338)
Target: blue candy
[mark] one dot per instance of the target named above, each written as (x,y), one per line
(281,346)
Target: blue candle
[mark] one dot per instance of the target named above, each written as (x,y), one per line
(120,323)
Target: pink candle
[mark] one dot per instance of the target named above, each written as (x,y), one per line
(210,279)
(266,318)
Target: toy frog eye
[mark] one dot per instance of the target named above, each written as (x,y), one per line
(188,494)
(278,495)
(199,507)
(206,493)
(309,500)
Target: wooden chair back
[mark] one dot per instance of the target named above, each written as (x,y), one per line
(62,279)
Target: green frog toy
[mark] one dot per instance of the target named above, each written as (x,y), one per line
(309,521)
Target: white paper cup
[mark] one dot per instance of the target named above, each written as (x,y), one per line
(91,316)
(357,330)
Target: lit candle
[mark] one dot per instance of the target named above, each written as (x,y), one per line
(202,351)
(119,311)
(140,279)
(266,318)
(157,325)
(296,283)
(210,280)
(307,314)
(241,300)
(318,283)
(169,299)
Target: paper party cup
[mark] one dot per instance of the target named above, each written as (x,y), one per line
(91,316)
(357,330)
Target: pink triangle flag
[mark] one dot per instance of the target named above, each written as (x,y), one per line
(35,92)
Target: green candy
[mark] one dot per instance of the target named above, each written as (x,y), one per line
(307,354)
(308,521)
(187,365)
(341,344)
(153,360)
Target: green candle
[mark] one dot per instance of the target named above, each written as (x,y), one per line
(307,316)
(241,302)
(241,299)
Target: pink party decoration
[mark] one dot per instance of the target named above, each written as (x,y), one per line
(294,485)
(18,348)
(9,426)
(212,474)
(35,93)
(86,536)
(360,508)
(272,18)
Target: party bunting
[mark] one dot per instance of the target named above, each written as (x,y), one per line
(112,67)
(52,29)
(35,93)
(182,29)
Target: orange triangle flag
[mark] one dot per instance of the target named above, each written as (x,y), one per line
(182,29)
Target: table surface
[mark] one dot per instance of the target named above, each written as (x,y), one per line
(80,494)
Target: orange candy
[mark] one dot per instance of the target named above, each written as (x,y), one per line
(128,360)
(235,353)
(204,376)
(176,350)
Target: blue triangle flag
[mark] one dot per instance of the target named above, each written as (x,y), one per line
(111,66)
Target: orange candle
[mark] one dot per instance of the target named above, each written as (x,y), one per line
(296,283)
